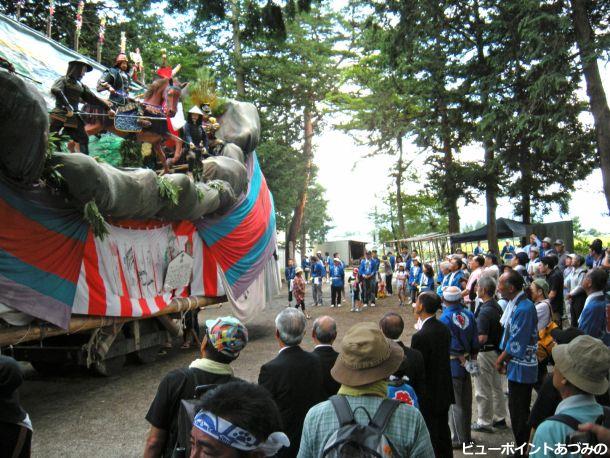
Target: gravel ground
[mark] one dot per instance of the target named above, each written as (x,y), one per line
(78,414)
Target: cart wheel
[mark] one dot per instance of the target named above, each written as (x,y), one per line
(109,367)
(47,368)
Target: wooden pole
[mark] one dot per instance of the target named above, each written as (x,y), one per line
(40,330)
(50,17)
(79,23)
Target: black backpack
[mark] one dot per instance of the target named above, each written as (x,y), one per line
(186,416)
(583,437)
(354,440)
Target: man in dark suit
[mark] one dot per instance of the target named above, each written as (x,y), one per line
(412,366)
(324,334)
(433,341)
(293,377)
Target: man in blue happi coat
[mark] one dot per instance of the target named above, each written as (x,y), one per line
(592,320)
(518,358)
(463,352)
(366,272)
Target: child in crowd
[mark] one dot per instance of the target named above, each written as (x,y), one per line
(381,292)
(298,290)
(414,278)
(355,290)
(289,274)
(426,283)
(401,283)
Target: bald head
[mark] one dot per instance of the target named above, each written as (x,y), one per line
(324,330)
(392,325)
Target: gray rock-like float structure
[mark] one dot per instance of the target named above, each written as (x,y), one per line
(123,193)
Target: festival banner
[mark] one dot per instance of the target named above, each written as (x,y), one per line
(243,240)
(123,275)
(41,251)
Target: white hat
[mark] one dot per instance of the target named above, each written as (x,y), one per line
(298,270)
(452,294)
(196,110)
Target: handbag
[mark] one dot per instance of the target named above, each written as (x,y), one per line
(545,340)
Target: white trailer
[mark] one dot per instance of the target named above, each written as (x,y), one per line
(350,251)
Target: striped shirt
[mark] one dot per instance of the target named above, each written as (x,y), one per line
(406,429)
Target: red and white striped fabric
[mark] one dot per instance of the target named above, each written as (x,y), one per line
(123,274)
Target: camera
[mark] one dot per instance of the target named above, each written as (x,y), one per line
(581,437)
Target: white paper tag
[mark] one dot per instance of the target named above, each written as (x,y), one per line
(178,272)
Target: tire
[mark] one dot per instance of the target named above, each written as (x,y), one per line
(109,367)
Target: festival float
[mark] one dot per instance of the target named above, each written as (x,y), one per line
(98,260)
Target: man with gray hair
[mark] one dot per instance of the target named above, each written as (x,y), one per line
(491,406)
(293,377)
(324,334)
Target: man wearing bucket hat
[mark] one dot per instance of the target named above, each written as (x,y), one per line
(366,361)
(581,369)
(224,339)
(463,350)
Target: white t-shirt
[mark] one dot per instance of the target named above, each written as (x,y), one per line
(543,311)
(401,277)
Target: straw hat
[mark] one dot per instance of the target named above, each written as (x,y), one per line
(196,110)
(367,356)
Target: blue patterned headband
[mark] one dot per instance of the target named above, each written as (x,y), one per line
(235,437)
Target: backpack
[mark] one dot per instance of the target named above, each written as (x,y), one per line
(354,440)
(186,416)
(187,411)
(583,437)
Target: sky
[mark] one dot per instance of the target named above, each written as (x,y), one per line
(355,186)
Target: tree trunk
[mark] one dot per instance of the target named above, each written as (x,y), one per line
(585,39)
(526,184)
(451,194)
(303,244)
(240,80)
(399,173)
(491,181)
(491,199)
(299,209)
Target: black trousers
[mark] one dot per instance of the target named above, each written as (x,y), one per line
(9,439)
(335,295)
(388,284)
(519,400)
(440,435)
(368,291)
(300,304)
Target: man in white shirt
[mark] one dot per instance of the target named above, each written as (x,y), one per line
(476,269)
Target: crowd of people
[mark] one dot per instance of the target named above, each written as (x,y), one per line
(496,324)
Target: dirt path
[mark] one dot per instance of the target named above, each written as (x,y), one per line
(80,415)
